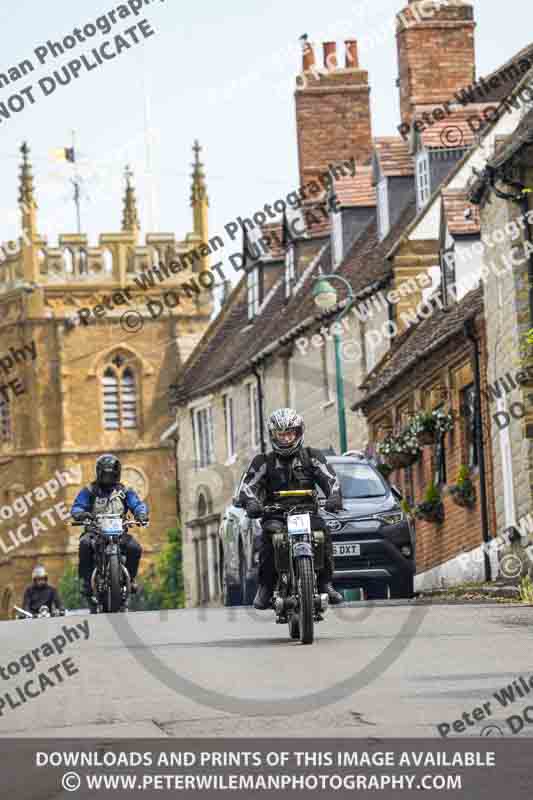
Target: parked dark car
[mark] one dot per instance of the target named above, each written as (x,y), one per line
(373,540)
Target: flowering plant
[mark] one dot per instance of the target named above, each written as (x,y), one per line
(405,443)
(431,508)
(432,422)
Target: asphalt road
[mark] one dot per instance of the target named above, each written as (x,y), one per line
(375,670)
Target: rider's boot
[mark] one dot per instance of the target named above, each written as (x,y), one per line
(263,598)
(334,597)
(87,591)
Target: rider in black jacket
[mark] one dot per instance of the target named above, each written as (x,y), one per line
(40,593)
(289,466)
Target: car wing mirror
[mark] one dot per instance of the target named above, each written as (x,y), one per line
(396,492)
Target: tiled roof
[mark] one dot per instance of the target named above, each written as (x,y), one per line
(523,135)
(456,205)
(419,342)
(357,191)
(231,341)
(393,155)
(455,130)
(507,84)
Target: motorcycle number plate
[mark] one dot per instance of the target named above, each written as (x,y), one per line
(347,549)
(298,524)
(112,527)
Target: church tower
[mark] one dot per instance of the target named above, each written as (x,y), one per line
(89,337)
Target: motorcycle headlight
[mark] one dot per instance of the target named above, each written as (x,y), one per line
(391,517)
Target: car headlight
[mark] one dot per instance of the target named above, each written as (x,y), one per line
(390,518)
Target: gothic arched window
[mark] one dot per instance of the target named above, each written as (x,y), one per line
(120,396)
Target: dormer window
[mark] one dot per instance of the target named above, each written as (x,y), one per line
(253,292)
(383,208)
(290,273)
(423,182)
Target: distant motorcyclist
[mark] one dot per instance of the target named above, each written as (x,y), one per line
(106,495)
(290,465)
(40,593)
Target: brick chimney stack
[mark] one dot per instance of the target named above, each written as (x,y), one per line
(436,55)
(332,110)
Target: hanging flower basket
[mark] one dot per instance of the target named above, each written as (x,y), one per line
(399,451)
(428,425)
(431,512)
(464,492)
(432,507)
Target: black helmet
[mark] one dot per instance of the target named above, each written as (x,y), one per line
(108,470)
(286,428)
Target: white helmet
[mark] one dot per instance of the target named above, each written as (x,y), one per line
(39,572)
(286,429)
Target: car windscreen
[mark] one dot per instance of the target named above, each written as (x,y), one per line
(358,481)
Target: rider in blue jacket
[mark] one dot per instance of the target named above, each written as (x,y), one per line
(108,496)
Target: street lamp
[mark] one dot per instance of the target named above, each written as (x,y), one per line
(326,297)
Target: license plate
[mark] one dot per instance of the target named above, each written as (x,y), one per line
(111,527)
(298,524)
(347,549)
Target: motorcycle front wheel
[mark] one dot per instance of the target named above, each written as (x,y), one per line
(114,589)
(306,591)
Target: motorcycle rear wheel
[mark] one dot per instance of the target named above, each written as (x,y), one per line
(113,599)
(306,587)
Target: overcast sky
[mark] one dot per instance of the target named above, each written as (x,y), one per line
(220,72)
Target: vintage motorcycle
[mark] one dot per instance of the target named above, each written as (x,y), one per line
(43,613)
(299,556)
(110,580)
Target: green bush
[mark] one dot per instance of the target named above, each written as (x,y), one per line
(164,587)
(69,588)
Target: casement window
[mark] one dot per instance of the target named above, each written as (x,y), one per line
(5,422)
(229,423)
(253,286)
(383,208)
(253,414)
(290,273)
(468,410)
(439,476)
(119,396)
(423,183)
(203,436)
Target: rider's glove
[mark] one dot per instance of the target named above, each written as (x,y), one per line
(332,504)
(254,509)
(83,516)
(143,519)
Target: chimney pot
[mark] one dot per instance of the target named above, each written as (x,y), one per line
(330,55)
(352,59)
(308,60)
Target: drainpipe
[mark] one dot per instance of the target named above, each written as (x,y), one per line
(470,333)
(260,398)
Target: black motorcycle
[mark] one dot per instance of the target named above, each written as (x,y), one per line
(299,555)
(110,580)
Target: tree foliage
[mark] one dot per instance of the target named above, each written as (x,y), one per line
(164,588)
(69,588)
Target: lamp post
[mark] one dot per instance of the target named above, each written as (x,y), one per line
(325,297)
